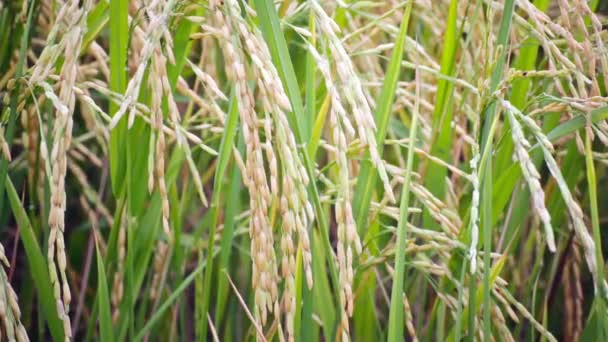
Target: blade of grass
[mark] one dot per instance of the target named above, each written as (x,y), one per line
(310,98)
(304,295)
(395,321)
(181,47)
(232,207)
(317,130)
(322,290)
(147,233)
(526,60)
(486,163)
(597,237)
(97,20)
(224,157)
(367,176)
(6,28)
(441,143)
(137,161)
(442,133)
(127,307)
(577,123)
(494,273)
(106,331)
(169,301)
(365,316)
(458,324)
(300,284)
(119,33)
(36,263)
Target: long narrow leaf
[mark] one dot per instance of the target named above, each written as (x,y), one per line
(36,262)
(367,176)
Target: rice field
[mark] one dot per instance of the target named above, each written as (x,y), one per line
(303,170)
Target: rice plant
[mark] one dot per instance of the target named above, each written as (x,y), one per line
(177,170)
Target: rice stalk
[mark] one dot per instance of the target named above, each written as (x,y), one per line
(235,164)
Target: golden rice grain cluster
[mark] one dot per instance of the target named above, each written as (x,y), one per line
(303,170)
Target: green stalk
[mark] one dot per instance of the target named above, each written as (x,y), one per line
(304,296)
(366,181)
(119,36)
(106,331)
(230,224)
(395,322)
(36,264)
(442,114)
(526,60)
(597,237)
(478,294)
(486,163)
(167,303)
(224,157)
